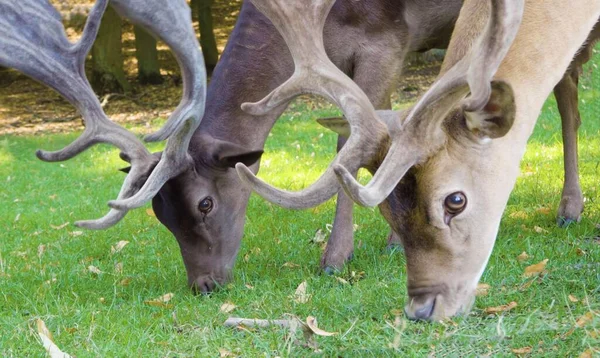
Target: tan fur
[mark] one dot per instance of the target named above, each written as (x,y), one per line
(445,262)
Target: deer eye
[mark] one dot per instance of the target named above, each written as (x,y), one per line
(206,205)
(455,203)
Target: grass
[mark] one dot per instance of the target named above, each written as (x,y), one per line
(44,265)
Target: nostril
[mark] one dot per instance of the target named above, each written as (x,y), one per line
(203,285)
(424,312)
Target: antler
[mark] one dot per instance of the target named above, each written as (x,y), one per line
(473,72)
(301,25)
(32,40)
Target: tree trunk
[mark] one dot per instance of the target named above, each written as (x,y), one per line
(147,57)
(207,35)
(107,60)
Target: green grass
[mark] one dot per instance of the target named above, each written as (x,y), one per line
(96,315)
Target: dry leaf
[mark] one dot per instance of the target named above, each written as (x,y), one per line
(93,269)
(482,289)
(342,281)
(586,354)
(580,252)
(125,282)
(300,296)
(503,308)
(119,268)
(41,250)
(540,230)
(573,299)
(223,353)
(46,338)
(311,322)
(319,237)
(290,265)
(150,212)
(227,307)
(535,269)
(519,351)
(544,211)
(522,256)
(248,286)
(58,227)
(594,334)
(585,319)
(41,328)
(118,247)
(518,215)
(161,301)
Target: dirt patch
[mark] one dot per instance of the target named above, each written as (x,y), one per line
(27,107)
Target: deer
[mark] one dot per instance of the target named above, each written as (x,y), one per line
(195,204)
(202,203)
(444,169)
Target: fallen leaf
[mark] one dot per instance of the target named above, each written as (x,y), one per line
(580,252)
(225,353)
(17,217)
(58,227)
(150,212)
(93,269)
(250,287)
(585,319)
(594,334)
(498,309)
(118,247)
(300,295)
(227,307)
(342,281)
(535,269)
(41,250)
(161,301)
(540,230)
(523,350)
(76,233)
(544,210)
(311,322)
(125,282)
(119,268)
(319,237)
(290,265)
(573,299)
(41,328)
(586,354)
(49,345)
(522,256)
(518,215)
(482,289)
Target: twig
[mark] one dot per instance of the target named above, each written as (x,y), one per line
(251,322)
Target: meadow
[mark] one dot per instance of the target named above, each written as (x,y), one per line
(100,298)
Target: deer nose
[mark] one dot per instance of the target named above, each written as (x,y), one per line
(420,308)
(203,285)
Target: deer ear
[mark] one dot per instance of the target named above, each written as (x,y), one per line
(496,118)
(228,154)
(338,125)
(155,159)
(392,120)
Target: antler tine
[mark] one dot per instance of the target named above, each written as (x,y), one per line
(46,55)
(174,27)
(476,70)
(301,25)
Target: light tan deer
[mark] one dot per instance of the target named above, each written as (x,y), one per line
(446,167)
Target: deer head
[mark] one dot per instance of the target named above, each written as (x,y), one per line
(437,207)
(32,40)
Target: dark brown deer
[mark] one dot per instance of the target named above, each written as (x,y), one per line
(202,202)
(444,174)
